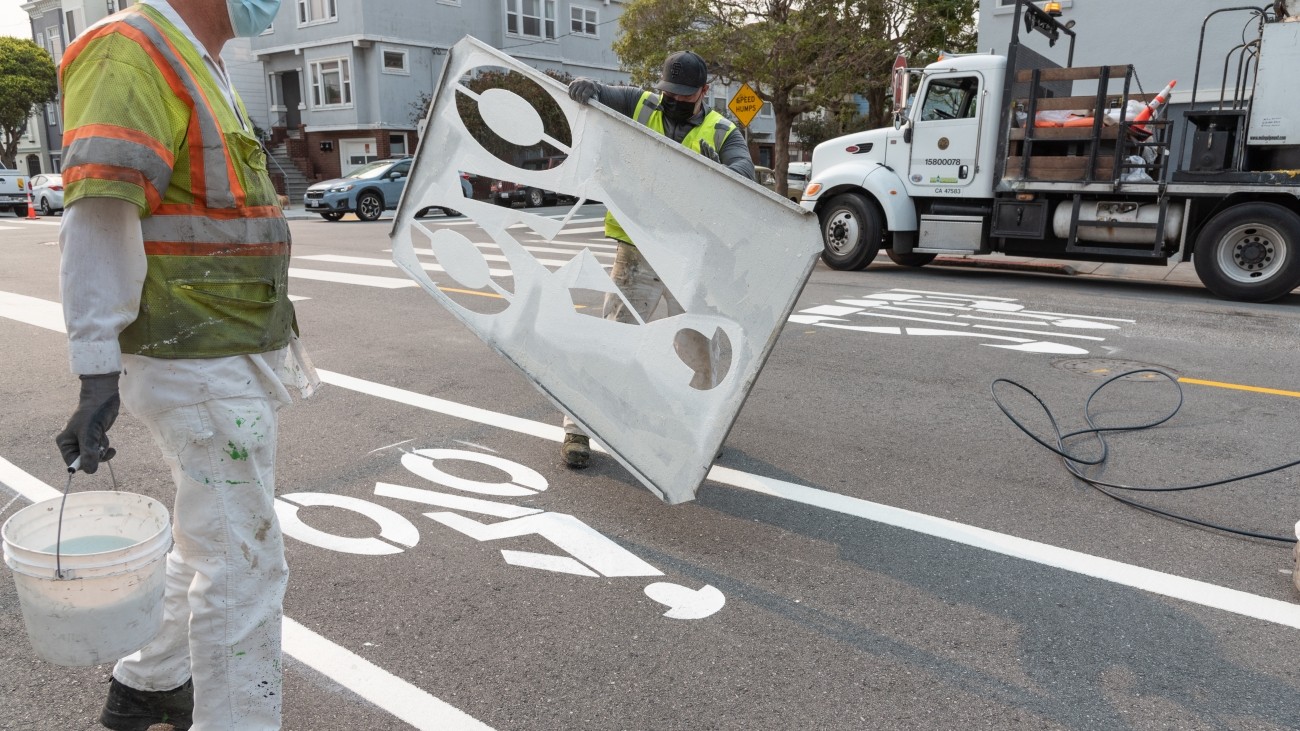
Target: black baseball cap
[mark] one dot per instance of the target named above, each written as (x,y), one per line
(684,73)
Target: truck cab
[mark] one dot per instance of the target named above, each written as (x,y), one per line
(940,153)
(1025,153)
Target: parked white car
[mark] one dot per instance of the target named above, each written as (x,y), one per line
(47,193)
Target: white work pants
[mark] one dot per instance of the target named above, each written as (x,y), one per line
(643,289)
(226,574)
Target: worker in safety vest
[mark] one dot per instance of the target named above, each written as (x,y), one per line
(175,275)
(676,111)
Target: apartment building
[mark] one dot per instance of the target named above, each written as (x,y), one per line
(55,23)
(345,77)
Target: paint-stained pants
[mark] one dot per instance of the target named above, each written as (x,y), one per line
(643,290)
(226,573)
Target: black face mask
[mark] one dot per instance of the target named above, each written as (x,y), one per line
(677,112)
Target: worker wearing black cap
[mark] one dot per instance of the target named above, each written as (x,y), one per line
(677,112)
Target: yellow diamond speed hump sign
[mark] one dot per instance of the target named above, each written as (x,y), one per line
(745,104)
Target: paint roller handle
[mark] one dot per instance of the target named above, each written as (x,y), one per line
(84,441)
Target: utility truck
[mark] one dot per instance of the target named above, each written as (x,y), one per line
(1028,155)
(13,192)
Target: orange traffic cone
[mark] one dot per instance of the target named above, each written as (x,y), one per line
(1152,107)
(31,206)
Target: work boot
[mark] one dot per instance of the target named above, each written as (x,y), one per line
(576,450)
(128,709)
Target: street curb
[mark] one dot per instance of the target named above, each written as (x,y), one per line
(1015,266)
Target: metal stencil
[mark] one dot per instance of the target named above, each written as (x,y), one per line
(735,255)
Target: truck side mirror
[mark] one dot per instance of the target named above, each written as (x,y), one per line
(907,135)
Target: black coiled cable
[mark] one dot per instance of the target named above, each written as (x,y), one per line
(1073,460)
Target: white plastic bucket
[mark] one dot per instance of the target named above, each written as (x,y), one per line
(109,601)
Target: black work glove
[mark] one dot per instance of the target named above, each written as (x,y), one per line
(583,90)
(707,150)
(86,435)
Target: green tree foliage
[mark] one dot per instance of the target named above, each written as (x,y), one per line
(27,78)
(799,55)
(813,129)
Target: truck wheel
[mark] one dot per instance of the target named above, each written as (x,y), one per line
(851,232)
(536,198)
(1250,252)
(369,206)
(331,215)
(909,259)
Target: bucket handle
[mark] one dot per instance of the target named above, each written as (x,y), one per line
(58,532)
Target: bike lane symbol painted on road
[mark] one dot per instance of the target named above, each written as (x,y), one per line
(1001,320)
(584,550)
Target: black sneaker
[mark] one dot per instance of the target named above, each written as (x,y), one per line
(128,709)
(576,450)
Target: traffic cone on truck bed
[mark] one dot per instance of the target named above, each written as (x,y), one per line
(1152,108)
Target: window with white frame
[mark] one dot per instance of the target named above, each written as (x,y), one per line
(331,83)
(51,113)
(56,44)
(395,61)
(531,18)
(583,21)
(317,11)
(275,93)
(765,110)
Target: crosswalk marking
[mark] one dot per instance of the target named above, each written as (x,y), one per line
(345,278)
(373,262)
(25,222)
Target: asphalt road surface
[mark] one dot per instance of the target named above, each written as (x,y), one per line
(877,547)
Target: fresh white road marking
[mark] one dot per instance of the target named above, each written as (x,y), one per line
(390,693)
(33,311)
(364,280)
(1189,590)
(1156,582)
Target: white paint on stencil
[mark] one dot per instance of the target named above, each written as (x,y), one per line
(615,378)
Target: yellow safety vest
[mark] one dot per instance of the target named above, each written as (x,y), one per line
(146,122)
(648,113)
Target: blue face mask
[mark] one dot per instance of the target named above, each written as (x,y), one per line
(251,17)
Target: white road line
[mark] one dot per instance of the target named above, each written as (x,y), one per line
(345,278)
(390,693)
(1052,334)
(955,296)
(1155,582)
(33,311)
(872,313)
(371,261)
(25,222)
(8,228)
(537,250)
(1062,314)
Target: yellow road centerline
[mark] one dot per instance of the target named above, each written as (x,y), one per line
(1239,387)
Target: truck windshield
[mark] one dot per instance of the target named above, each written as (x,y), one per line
(952,98)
